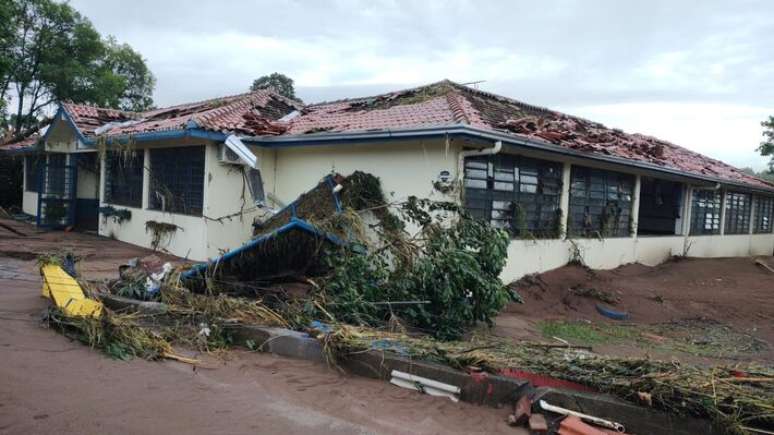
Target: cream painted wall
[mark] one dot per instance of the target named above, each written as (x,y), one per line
(229,207)
(61,139)
(405,168)
(186,242)
(30,203)
(87,184)
(527,256)
(189,241)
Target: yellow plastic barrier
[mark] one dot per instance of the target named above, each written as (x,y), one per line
(67,294)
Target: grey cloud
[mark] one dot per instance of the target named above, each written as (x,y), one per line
(563,53)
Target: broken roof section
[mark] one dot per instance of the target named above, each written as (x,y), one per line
(253,113)
(447,103)
(20,145)
(444,104)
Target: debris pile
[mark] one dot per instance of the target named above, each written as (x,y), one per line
(363,266)
(732,396)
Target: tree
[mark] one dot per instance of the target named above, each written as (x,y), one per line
(767,146)
(52,53)
(281,83)
(764,175)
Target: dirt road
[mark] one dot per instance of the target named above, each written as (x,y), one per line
(50,385)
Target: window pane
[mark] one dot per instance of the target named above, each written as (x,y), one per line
(123,178)
(600,203)
(518,193)
(177,180)
(705,212)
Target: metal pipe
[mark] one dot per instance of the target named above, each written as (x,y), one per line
(618,427)
(498,146)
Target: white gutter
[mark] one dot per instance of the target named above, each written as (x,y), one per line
(498,145)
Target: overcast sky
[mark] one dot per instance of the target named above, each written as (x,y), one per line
(698,73)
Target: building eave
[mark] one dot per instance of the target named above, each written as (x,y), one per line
(463,130)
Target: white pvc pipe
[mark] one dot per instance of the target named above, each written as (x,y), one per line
(473,153)
(427,382)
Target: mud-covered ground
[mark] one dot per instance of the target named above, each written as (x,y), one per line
(51,385)
(700,310)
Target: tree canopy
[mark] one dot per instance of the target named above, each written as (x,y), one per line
(767,146)
(49,52)
(281,83)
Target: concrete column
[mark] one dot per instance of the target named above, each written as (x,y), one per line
(24,175)
(687,209)
(564,199)
(146,180)
(102,178)
(723,199)
(636,205)
(752,214)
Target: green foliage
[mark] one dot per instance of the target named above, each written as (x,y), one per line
(765,174)
(767,145)
(452,282)
(281,83)
(49,52)
(118,215)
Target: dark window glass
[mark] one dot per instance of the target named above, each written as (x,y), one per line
(515,193)
(123,178)
(55,174)
(764,212)
(177,180)
(600,203)
(255,183)
(660,207)
(738,207)
(705,212)
(32,165)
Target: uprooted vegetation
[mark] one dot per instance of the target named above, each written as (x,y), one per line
(415,275)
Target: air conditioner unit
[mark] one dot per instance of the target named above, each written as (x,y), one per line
(228,157)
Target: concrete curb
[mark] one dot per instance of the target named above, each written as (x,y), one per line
(481,389)
(280,341)
(636,419)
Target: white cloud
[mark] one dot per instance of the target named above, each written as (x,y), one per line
(724,131)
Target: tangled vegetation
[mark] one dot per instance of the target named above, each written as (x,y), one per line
(733,397)
(441,280)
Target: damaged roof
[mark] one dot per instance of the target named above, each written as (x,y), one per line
(251,113)
(265,113)
(19,145)
(449,103)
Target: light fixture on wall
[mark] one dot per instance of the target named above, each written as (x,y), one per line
(444,182)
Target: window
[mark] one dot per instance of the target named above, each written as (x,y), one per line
(600,203)
(31,168)
(660,206)
(123,178)
(255,183)
(705,212)
(764,211)
(738,207)
(177,180)
(55,174)
(515,193)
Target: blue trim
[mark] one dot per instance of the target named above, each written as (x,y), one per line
(196,133)
(294,224)
(62,115)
